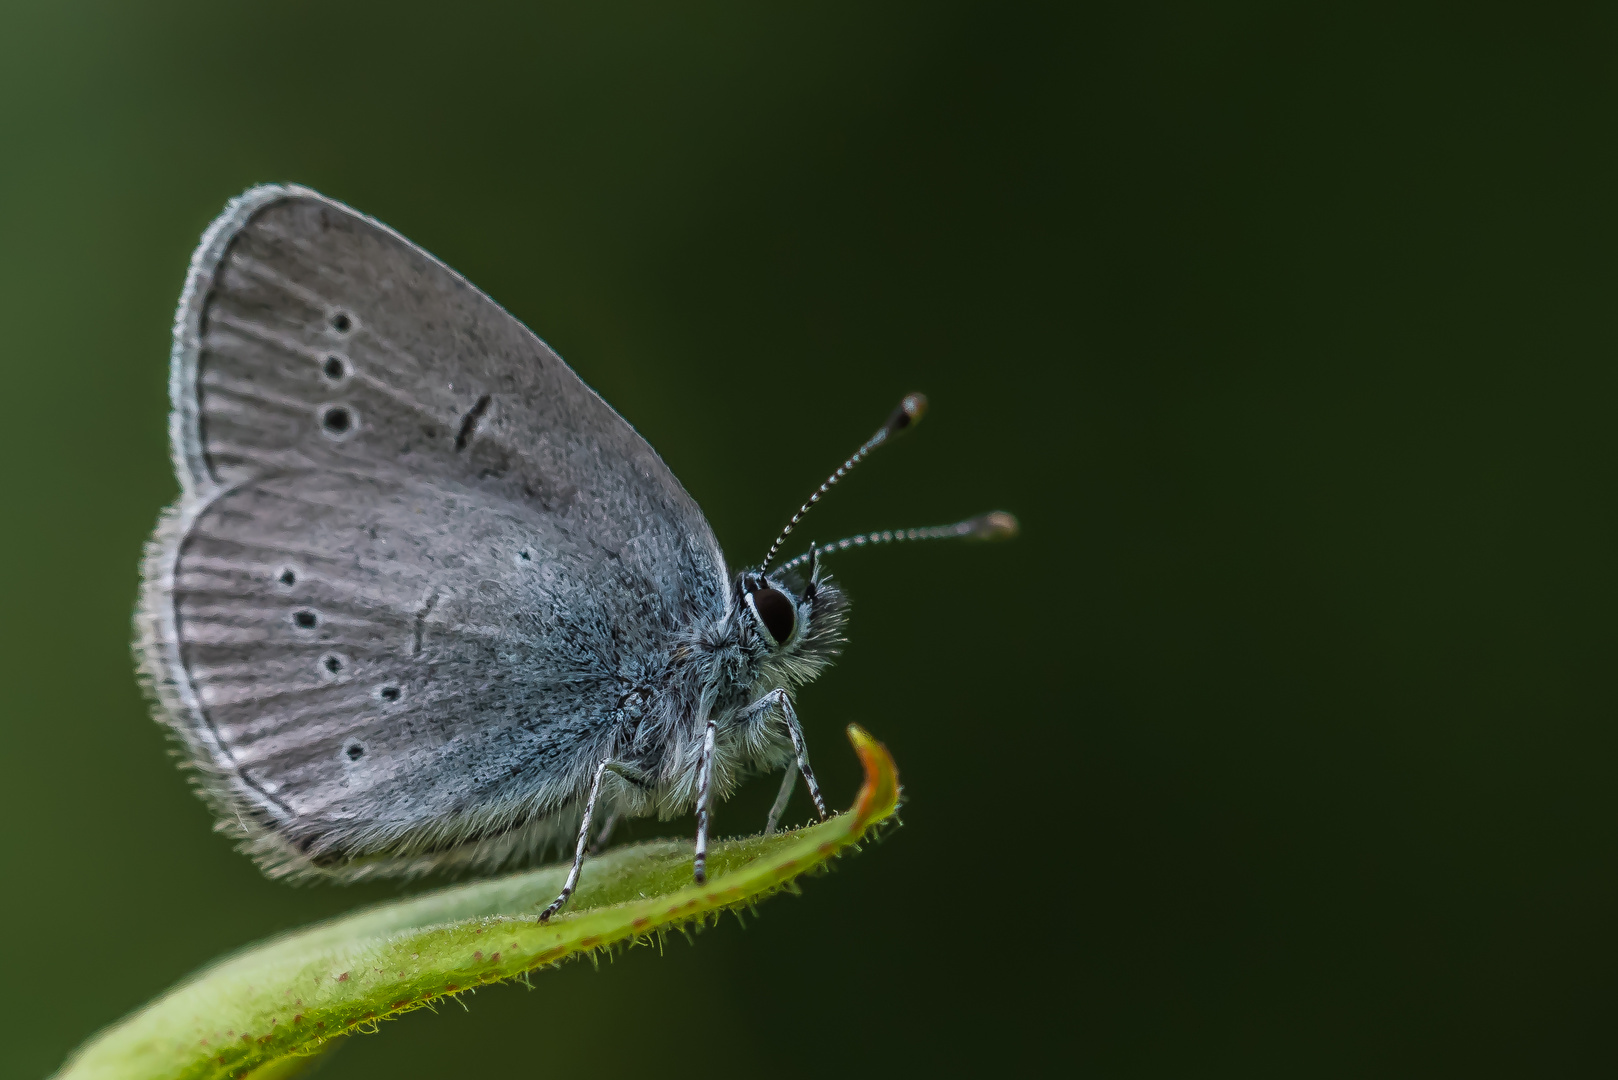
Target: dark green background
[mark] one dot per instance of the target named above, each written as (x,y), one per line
(1283,741)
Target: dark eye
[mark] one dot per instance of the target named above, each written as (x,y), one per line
(775,612)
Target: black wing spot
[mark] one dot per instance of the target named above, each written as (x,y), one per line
(342,322)
(332,663)
(337,420)
(355,751)
(470,421)
(389,693)
(305,619)
(334,368)
(288,577)
(524,556)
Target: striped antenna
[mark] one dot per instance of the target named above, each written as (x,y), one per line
(995,525)
(908,414)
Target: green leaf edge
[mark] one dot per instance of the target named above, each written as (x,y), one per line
(296,995)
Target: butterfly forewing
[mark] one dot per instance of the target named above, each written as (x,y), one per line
(366,607)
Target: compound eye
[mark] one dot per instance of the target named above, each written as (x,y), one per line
(775,611)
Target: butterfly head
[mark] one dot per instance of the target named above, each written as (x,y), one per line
(785,615)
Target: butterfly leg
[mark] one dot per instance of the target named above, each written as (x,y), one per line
(802,748)
(605,833)
(789,780)
(578,852)
(779,699)
(704,784)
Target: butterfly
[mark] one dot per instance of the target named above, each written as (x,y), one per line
(426,602)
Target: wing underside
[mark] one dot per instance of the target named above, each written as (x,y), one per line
(417,568)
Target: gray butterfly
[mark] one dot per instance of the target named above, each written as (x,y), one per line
(426,601)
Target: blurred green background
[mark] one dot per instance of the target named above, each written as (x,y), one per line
(1283,741)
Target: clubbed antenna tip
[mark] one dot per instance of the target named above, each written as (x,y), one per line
(908,413)
(995,525)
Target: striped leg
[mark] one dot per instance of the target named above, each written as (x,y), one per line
(779,699)
(578,852)
(803,755)
(704,783)
(788,780)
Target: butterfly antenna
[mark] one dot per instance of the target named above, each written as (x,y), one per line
(995,525)
(908,414)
